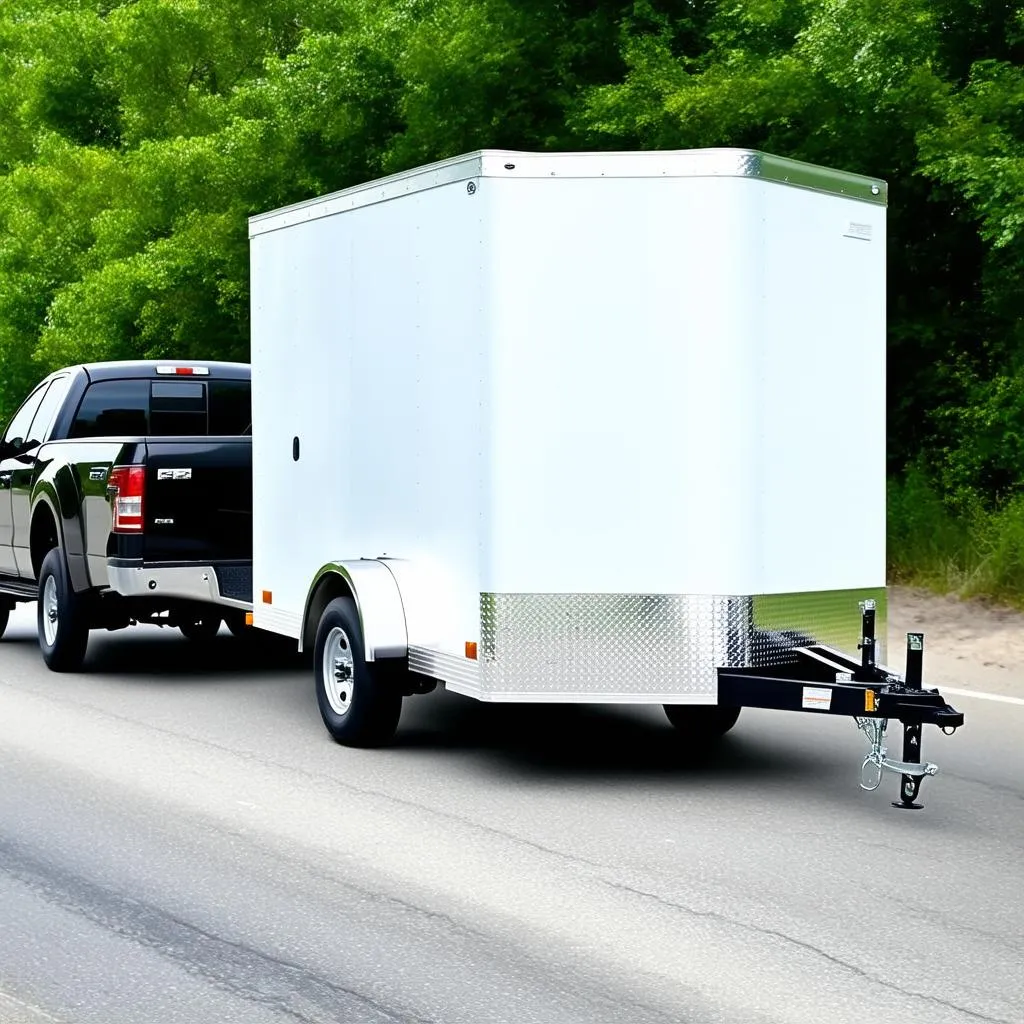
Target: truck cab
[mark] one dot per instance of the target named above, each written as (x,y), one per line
(109,469)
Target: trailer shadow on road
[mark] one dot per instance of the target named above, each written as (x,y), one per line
(539,741)
(529,743)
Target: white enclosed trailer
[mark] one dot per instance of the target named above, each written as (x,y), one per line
(602,427)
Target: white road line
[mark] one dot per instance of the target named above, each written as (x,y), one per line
(982,696)
(10,1005)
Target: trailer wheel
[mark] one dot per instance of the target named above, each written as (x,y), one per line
(701,723)
(5,614)
(358,701)
(62,616)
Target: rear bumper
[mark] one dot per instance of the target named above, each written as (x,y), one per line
(228,585)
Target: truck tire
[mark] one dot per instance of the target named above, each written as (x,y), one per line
(358,700)
(62,616)
(202,629)
(701,724)
(5,615)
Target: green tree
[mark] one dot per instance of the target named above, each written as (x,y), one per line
(137,136)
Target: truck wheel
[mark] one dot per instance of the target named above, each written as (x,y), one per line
(201,630)
(359,703)
(5,614)
(701,723)
(62,616)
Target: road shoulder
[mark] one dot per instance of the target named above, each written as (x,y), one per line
(969,645)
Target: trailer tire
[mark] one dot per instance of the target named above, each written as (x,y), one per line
(701,723)
(62,616)
(5,615)
(359,701)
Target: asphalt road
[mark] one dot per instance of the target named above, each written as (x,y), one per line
(180,841)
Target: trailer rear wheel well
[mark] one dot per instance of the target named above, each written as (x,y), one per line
(331,586)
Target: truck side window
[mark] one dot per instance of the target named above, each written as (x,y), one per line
(177,408)
(230,407)
(19,428)
(112,408)
(42,422)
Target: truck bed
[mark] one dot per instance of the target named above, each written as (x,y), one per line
(198,501)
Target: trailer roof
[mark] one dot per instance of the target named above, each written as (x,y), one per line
(498,163)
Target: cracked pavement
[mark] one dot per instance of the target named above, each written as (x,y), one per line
(190,846)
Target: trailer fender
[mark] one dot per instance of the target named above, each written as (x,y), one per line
(378,601)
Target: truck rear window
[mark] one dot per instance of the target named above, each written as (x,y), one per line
(230,407)
(177,408)
(162,408)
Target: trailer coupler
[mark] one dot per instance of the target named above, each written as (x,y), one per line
(826,681)
(913,772)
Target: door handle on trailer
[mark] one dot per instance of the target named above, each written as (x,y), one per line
(98,473)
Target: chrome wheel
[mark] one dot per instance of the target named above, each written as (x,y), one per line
(338,671)
(51,616)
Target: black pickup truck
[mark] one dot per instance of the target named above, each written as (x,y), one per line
(126,497)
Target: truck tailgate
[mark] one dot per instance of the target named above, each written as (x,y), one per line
(198,504)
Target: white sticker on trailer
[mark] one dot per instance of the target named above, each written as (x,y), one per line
(817,698)
(861,231)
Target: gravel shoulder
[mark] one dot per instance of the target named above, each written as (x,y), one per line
(968,644)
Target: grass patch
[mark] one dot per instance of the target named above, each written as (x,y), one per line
(975,553)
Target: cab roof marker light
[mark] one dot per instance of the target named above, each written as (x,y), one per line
(184,371)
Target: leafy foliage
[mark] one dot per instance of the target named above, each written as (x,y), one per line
(136,137)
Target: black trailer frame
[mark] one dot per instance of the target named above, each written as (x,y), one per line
(821,680)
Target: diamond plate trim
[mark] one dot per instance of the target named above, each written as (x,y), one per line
(277,620)
(783,621)
(463,673)
(604,644)
(611,646)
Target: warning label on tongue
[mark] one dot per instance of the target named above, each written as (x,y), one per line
(817,698)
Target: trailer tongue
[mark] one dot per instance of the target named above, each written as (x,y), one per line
(825,681)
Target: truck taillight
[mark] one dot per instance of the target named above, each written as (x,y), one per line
(128,486)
